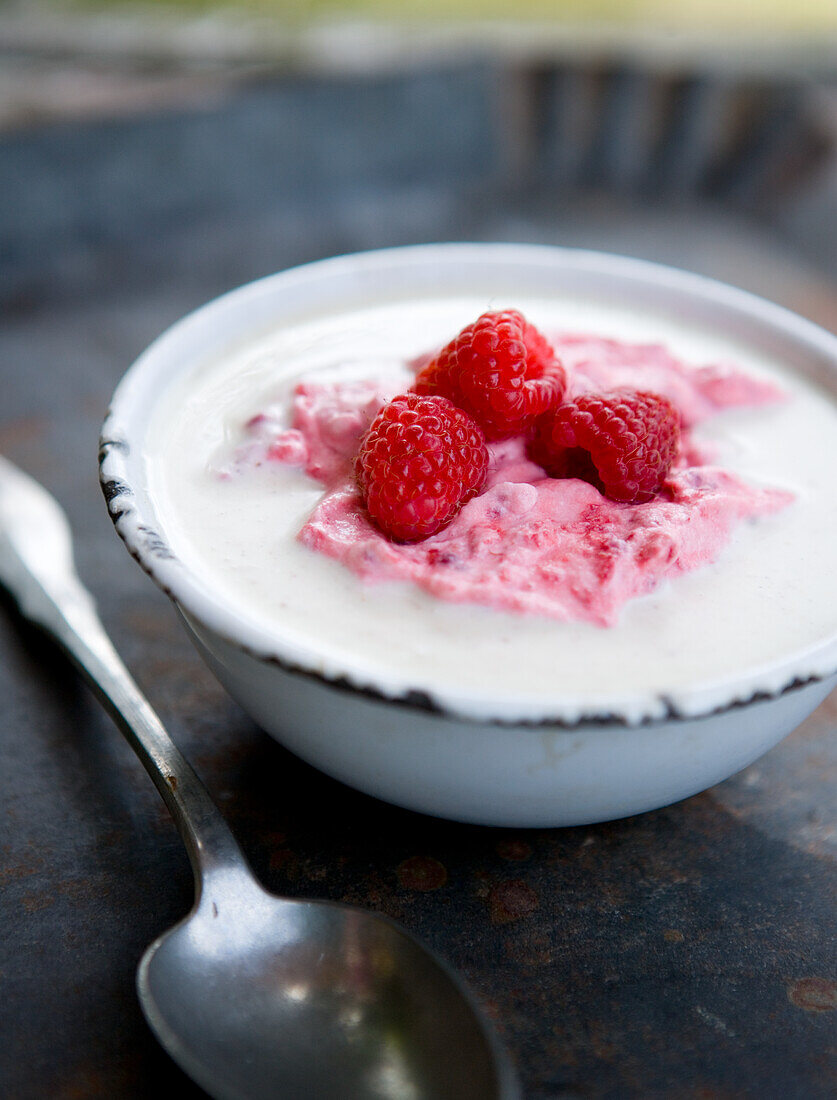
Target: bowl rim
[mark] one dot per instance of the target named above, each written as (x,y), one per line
(123,481)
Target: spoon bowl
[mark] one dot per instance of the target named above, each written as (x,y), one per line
(253,995)
(270,997)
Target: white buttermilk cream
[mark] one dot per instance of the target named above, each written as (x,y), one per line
(771,594)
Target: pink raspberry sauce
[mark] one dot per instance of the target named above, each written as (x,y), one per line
(530,543)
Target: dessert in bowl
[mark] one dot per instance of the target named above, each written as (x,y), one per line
(550,657)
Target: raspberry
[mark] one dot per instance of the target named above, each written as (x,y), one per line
(501,370)
(622,442)
(420,461)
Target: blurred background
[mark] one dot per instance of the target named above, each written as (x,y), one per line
(204,143)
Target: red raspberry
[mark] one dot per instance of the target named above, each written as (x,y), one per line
(420,461)
(501,370)
(623,442)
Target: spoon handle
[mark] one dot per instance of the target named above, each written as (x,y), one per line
(36,566)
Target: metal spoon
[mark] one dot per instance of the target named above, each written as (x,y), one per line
(253,995)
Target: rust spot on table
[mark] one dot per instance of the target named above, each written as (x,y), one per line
(422,873)
(813,994)
(511,901)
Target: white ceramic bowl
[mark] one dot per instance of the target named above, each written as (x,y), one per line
(408,747)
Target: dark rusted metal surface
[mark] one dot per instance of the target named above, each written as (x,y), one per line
(684,953)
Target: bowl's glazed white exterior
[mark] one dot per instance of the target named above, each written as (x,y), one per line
(495,774)
(428,754)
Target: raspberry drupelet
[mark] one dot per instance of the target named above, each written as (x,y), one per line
(420,461)
(501,370)
(623,442)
